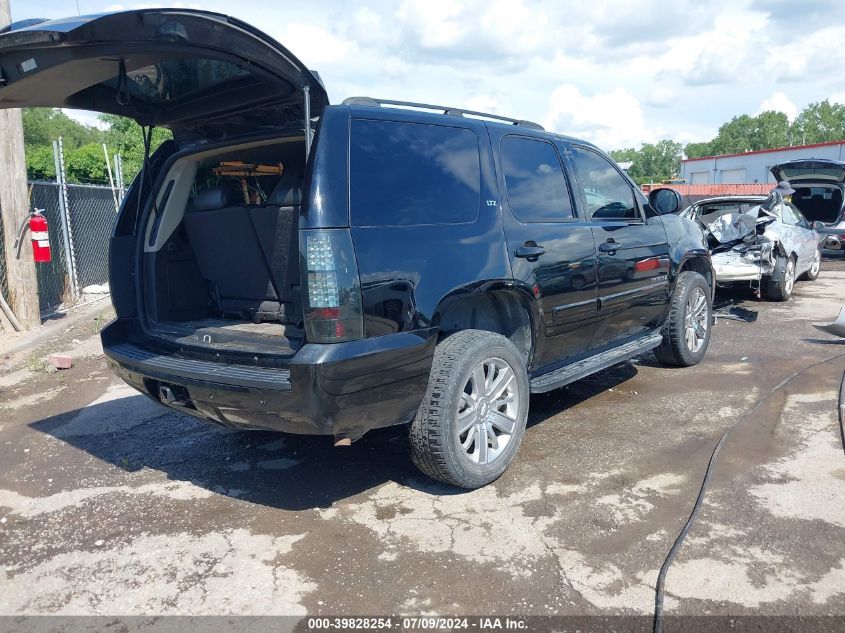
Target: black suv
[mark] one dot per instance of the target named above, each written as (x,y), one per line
(292,265)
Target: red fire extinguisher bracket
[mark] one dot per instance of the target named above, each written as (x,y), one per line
(39,231)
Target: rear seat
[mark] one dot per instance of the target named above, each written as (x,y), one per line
(230,257)
(276,226)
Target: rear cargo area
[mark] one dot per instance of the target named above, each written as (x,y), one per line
(221,250)
(819,202)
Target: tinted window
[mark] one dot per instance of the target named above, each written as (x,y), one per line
(608,194)
(171,80)
(407,173)
(536,187)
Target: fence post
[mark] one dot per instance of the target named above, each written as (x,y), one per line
(61,182)
(111,178)
(118,170)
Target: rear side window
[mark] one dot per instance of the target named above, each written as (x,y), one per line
(534,179)
(403,174)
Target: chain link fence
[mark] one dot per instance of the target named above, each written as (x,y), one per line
(4,284)
(81,218)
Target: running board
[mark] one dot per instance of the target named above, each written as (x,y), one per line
(592,364)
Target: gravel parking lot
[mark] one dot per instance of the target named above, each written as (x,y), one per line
(113,505)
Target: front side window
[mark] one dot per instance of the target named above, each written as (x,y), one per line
(405,174)
(790,215)
(536,186)
(608,195)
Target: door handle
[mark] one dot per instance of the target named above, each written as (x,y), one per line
(529,251)
(610,246)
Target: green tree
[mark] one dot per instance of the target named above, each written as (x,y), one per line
(41,126)
(771,129)
(124,136)
(40,164)
(745,133)
(819,122)
(86,164)
(734,136)
(83,151)
(653,162)
(697,150)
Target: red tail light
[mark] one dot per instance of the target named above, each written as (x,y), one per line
(332,290)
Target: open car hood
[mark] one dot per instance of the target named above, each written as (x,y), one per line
(203,75)
(814,169)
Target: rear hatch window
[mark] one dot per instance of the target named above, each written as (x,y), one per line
(809,170)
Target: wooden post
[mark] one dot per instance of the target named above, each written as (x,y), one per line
(14,206)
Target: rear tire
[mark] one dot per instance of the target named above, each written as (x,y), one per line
(686,333)
(472,418)
(781,282)
(813,273)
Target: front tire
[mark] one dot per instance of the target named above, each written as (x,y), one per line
(472,418)
(686,333)
(781,282)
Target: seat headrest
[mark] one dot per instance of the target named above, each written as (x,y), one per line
(213,198)
(285,194)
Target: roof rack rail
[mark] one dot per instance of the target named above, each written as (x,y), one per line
(375,103)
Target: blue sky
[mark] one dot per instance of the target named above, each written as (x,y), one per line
(615,72)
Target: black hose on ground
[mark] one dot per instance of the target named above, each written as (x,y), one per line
(660,587)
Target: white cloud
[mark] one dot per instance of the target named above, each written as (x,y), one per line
(484,103)
(610,120)
(86,118)
(636,71)
(779,102)
(661,96)
(315,45)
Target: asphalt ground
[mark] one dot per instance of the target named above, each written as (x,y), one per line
(113,505)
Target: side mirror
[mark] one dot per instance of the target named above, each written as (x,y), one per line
(665,201)
(818,226)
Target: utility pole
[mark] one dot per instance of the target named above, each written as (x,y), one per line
(14,207)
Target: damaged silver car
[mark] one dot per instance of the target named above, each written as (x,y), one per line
(761,241)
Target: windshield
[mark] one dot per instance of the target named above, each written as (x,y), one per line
(712,210)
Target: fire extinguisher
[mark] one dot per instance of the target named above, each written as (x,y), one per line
(40,234)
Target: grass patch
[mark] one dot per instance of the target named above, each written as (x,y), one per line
(37,364)
(99,321)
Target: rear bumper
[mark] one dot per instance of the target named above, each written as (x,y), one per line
(338,389)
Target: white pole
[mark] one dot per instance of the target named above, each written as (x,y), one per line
(111,179)
(118,177)
(70,251)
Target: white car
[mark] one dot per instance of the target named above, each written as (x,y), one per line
(761,241)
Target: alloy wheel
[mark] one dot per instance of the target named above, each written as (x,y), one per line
(817,263)
(488,411)
(695,320)
(789,277)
